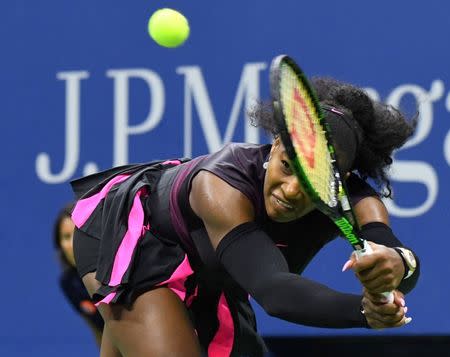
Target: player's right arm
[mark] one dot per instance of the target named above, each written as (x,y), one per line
(258,266)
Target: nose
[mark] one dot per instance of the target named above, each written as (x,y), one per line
(291,188)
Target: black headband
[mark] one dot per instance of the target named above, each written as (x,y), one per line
(341,136)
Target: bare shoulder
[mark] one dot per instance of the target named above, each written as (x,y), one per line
(371,209)
(221,206)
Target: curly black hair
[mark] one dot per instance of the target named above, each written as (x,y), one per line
(378,128)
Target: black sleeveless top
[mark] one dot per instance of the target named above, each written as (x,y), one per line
(241,166)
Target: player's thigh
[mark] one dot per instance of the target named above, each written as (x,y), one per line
(157,324)
(108,349)
(157,321)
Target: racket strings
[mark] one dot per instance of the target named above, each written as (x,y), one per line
(308,136)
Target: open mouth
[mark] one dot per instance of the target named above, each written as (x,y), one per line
(283,203)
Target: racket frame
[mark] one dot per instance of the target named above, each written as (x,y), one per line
(342,212)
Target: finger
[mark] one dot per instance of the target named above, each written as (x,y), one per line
(393,319)
(387,321)
(377,298)
(364,262)
(348,265)
(382,322)
(377,321)
(399,294)
(387,309)
(350,262)
(380,299)
(399,299)
(378,304)
(404,321)
(382,319)
(382,269)
(380,284)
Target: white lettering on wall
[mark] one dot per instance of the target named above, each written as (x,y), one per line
(416,171)
(447,137)
(196,96)
(122,129)
(72,132)
(195,91)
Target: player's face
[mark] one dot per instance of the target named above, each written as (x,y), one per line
(66,239)
(284,198)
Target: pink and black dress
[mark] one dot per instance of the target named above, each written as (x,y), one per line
(137,231)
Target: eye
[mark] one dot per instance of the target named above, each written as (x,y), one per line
(286,167)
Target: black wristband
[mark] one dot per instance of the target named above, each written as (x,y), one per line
(380,233)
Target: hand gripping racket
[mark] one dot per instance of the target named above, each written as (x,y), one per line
(306,137)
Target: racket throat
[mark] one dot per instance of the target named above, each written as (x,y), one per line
(349,233)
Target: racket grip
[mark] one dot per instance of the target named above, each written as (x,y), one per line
(367,249)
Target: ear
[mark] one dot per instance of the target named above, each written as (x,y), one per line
(347,175)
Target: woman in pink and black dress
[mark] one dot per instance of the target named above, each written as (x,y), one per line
(171,251)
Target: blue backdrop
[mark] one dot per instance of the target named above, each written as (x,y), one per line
(84,88)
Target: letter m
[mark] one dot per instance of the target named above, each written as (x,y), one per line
(195,91)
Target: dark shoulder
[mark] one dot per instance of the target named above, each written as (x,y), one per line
(242,154)
(248,149)
(240,165)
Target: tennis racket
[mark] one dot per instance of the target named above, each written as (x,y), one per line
(306,137)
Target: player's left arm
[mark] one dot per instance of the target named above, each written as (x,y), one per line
(389,267)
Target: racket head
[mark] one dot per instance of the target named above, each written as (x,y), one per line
(306,137)
(304,131)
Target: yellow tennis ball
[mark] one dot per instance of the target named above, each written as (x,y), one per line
(168,28)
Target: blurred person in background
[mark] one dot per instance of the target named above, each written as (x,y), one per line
(69,281)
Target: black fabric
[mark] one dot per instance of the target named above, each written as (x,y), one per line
(346,136)
(380,233)
(252,260)
(205,248)
(210,283)
(154,262)
(85,250)
(301,240)
(241,166)
(248,341)
(358,189)
(212,280)
(265,275)
(110,217)
(114,221)
(157,206)
(88,185)
(77,295)
(155,259)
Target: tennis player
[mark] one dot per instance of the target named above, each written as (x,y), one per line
(172,251)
